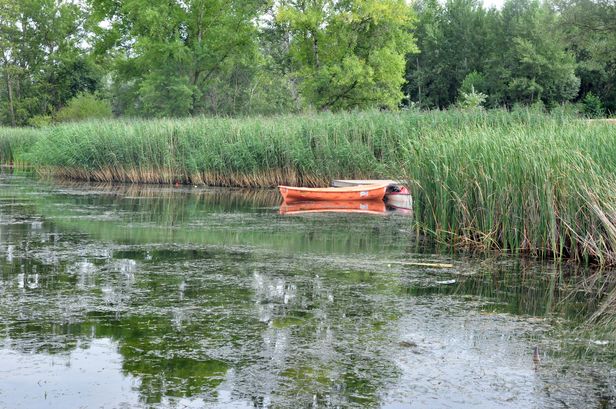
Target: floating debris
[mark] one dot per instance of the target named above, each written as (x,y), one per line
(536,356)
(422,264)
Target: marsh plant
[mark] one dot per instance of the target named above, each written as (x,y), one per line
(521,181)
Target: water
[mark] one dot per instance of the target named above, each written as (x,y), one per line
(116,296)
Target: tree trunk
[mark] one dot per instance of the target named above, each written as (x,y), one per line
(418,83)
(315,49)
(196,69)
(10,92)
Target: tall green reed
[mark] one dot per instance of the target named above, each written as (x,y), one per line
(538,184)
(15,143)
(521,182)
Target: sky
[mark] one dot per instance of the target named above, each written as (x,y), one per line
(496,3)
(487,3)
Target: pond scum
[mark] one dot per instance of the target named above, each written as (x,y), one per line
(520,182)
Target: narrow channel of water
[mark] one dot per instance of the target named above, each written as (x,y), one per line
(123,296)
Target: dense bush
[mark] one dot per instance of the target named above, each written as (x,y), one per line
(83,107)
(592,106)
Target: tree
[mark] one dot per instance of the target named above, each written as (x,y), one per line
(452,40)
(471,99)
(538,65)
(517,55)
(179,58)
(42,61)
(590,31)
(350,53)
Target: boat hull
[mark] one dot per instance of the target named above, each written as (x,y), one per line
(351,206)
(362,193)
(399,201)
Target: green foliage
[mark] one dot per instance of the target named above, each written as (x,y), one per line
(472,99)
(590,30)
(39,121)
(473,82)
(455,40)
(165,95)
(592,106)
(82,107)
(238,57)
(515,55)
(541,69)
(523,181)
(349,54)
(16,143)
(178,59)
(42,63)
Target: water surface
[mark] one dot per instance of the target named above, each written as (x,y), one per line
(123,296)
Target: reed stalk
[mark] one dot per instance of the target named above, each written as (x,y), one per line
(521,182)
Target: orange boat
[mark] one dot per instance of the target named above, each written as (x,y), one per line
(351,193)
(350,206)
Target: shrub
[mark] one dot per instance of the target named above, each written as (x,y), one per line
(473,81)
(82,107)
(472,99)
(592,106)
(39,121)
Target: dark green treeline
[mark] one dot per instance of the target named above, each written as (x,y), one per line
(64,60)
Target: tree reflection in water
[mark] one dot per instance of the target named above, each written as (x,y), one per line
(214,296)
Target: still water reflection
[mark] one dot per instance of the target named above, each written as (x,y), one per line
(116,296)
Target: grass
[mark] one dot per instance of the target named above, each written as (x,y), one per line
(519,182)
(249,152)
(15,143)
(542,185)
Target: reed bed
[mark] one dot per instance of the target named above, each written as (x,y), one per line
(15,143)
(544,187)
(248,152)
(520,182)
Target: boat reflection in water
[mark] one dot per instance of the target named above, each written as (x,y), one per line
(347,206)
(347,196)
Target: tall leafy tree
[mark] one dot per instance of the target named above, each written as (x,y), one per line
(538,65)
(348,53)
(176,58)
(517,55)
(590,30)
(452,40)
(43,59)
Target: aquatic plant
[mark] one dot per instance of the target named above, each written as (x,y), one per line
(541,185)
(306,150)
(295,149)
(15,143)
(518,181)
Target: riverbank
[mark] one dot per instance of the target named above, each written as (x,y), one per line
(519,182)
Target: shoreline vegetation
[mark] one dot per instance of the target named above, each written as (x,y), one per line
(522,182)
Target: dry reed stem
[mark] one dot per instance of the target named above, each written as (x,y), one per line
(264,178)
